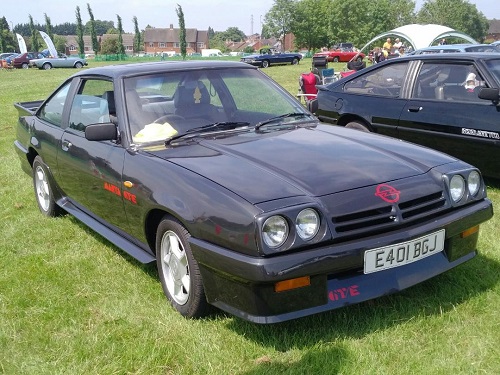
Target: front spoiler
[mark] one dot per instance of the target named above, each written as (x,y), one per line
(348,290)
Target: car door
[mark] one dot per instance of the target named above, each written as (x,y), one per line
(377,96)
(90,172)
(443,114)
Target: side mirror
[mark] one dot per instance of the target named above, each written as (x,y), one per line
(101,132)
(490,94)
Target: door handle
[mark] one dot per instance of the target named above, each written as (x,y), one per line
(66,145)
(414,109)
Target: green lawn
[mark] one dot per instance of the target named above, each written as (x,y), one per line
(71,303)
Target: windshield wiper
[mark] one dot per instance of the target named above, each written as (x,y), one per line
(281,117)
(225,125)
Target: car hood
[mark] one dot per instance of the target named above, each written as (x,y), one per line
(313,161)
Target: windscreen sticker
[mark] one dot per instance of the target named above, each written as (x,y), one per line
(480,133)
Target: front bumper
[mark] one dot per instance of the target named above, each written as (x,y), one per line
(244,285)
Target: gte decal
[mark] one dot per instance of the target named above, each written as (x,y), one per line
(116,190)
(343,293)
(387,193)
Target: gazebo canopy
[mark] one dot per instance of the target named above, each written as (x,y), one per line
(420,36)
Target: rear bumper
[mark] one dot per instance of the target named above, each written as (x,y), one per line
(244,285)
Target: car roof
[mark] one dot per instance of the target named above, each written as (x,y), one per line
(116,71)
(449,56)
(452,47)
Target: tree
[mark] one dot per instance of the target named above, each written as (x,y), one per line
(137,36)
(7,42)
(279,19)
(79,32)
(233,34)
(310,26)
(65,29)
(93,34)
(109,46)
(182,33)
(35,45)
(48,27)
(59,43)
(121,48)
(101,27)
(211,32)
(457,14)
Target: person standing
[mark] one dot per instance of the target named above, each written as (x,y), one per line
(387,45)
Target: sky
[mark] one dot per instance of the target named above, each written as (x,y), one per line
(198,14)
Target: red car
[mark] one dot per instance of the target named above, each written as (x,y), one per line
(23,60)
(341,56)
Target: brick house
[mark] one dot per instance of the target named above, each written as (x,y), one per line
(158,40)
(493,31)
(72,43)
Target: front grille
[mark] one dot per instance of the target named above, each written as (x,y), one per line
(384,218)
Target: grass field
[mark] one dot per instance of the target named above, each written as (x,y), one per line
(71,303)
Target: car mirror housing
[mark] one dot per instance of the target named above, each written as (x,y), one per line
(492,94)
(101,132)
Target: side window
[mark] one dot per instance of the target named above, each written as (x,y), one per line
(386,81)
(93,104)
(449,82)
(52,110)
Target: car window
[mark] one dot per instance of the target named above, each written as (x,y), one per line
(52,110)
(92,105)
(448,82)
(385,81)
(494,68)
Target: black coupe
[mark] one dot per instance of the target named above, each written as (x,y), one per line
(241,197)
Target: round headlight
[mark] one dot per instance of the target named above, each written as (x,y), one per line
(457,188)
(275,231)
(474,182)
(307,224)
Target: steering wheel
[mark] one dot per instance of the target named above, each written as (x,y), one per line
(178,122)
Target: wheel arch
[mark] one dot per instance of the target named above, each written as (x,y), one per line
(153,220)
(345,119)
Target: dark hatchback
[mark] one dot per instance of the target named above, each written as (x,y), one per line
(449,102)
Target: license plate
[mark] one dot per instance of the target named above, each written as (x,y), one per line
(403,253)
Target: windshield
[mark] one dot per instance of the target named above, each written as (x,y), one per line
(170,104)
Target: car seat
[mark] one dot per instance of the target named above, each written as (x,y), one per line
(192,101)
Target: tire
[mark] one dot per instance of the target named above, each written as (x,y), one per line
(265,64)
(295,61)
(336,59)
(359,59)
(46,66)
(43,191)
(358,126)
(25,65)
(78,65)
(178,270)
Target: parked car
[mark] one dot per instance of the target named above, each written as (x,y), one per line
(23,60)
(425,99)
(271,56)
(446,48)
(4,55)
(341,55)
(62,61)
(241,197)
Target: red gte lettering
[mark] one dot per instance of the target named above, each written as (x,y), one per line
(404,253)
(116,190)
(343,293)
